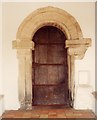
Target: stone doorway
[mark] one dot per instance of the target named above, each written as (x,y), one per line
(75,44)
(50,68)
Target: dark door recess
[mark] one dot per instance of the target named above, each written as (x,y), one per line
(50,68)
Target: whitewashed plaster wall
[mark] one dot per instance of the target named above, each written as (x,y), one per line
(1,85)
(0,48)
(14,14)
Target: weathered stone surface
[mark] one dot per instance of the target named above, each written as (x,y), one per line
(47,16)
(78,47)
(23,44)
(85,42)
(75,44)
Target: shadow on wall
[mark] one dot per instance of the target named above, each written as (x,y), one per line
(95,95)
(1,104)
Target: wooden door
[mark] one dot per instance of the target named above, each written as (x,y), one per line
(50,69)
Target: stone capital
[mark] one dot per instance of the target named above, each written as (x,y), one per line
(78,53)
(23,44)
(85,42)
(77,48)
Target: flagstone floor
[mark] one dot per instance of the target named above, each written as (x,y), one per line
(49,113)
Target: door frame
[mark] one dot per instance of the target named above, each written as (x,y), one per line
(76,44)
(36,64)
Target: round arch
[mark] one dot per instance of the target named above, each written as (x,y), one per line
(49,16)
(76,44)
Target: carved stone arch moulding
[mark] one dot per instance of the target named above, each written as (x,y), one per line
(76,44)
